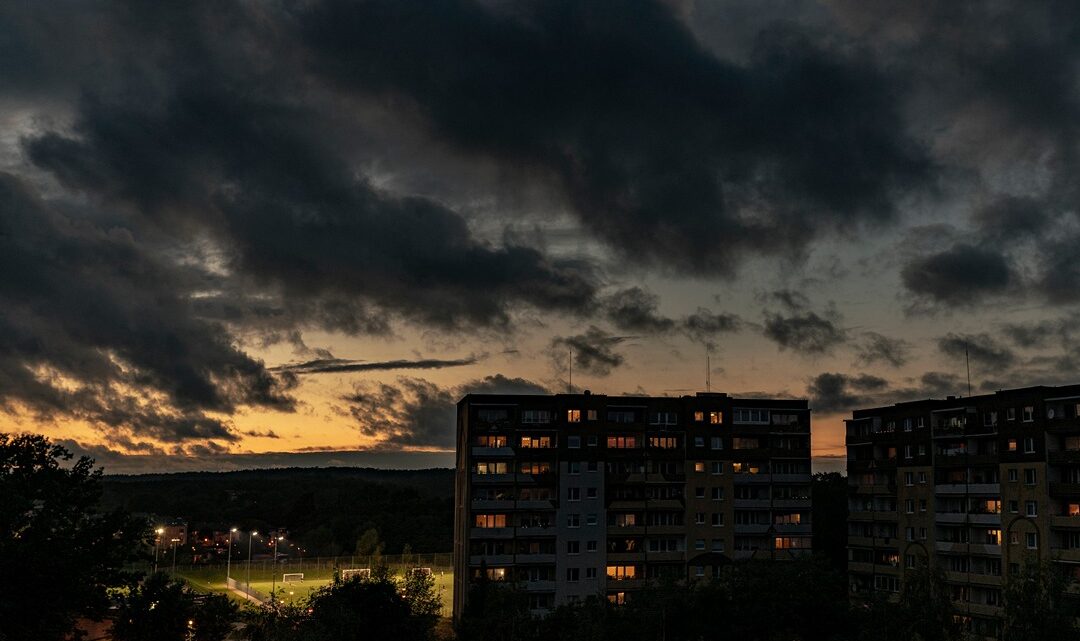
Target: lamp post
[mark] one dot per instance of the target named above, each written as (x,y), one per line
(228,561)
(157,544)
(174,542)
(273,575)
(250,536)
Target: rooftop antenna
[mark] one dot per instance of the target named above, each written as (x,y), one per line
(708,371)
(570,381)
(967,361)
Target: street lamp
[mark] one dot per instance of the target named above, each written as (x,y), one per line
(273,575)
(250,536)
(174,542)
(228,562)
(157,544)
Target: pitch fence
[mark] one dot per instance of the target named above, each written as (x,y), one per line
(318,568)
(247,590)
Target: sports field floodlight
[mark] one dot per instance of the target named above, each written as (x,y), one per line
(250,537)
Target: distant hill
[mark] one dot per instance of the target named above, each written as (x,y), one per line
(326,509)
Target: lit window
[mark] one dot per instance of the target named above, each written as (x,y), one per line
(490,520)
(716,418)
(621,442)
(699,416)
(699,466)
(621,572)
(573,416)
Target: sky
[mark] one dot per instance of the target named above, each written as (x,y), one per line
(264,233)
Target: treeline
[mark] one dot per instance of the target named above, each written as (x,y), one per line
(802,600)
(66,560)
(326,509)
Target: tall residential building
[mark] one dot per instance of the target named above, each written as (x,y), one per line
(574,495)
(975,486)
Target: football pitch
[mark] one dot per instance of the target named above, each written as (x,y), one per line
(213,580)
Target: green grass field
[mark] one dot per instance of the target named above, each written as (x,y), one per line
(213,580)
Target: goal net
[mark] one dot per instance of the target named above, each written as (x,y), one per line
(421,571)
(292,578)
(363,573)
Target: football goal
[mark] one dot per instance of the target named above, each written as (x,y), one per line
(421,571)
(293,578)
(363,573)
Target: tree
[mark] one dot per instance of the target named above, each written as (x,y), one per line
(829,516)
(369,544)
(377,608)
(59,555)
(1036,607)
(926,607)
(163,609)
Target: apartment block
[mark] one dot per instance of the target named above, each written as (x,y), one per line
(576,495)
(975,486)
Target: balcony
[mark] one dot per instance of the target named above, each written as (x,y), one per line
(1065,489)
(873,542)
(762,504)
(490,505)
(539,586)
(492,533)
(535,531)
(876,488)
(492,560)
(791,503)
(966,548)
(989,580)
(747,479)
(492,452)
(535,504)
(791,478)
(1067,522)
(966,460)
(751,528)
(972,518)
(992,489)
(1063,426)
(797,453)
(792,528)
(534,558)
(665,557)
(1065,457)
(492,478)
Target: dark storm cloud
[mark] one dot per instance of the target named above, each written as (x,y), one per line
(703,326)
(418,413)
(997,86)
(876,348)
(593,351)
(200,138)
(340,365)
(671,155)
(636,310)
(983,350)
(499,384)
(94,326)
(963,274)
(801,329)
(832,393)
(414,412)
(839,393)
(1043,333)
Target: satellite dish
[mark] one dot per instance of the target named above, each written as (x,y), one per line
(1050,413)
